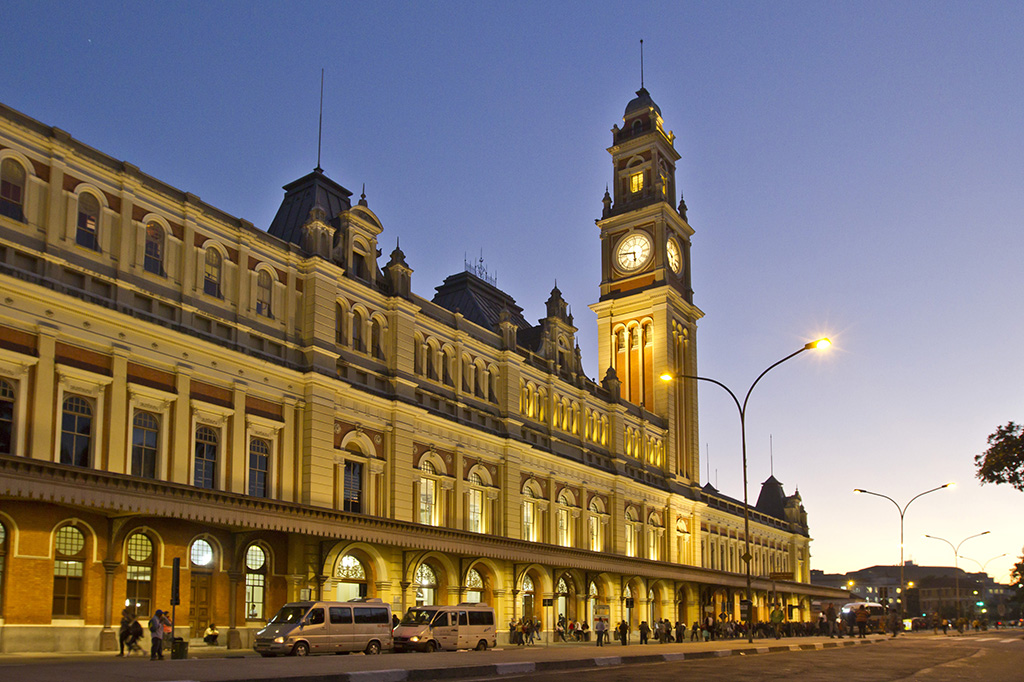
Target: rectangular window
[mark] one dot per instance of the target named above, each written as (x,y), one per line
(368,615)
(67,588)
(6,418)
(481,618)
(139,592)
(254,586)
(428,500)
(353,495)
(476,511)
(564,538)
(636,182)
(530,521)
(630,540)
(341,615)
(594,526)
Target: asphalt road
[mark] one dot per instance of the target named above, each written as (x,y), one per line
(994,655)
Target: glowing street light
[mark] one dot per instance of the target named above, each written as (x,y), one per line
(822,343)
(902,510)
(956,564)
(983,565)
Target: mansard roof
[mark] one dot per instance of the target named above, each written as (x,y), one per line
(478,301)
(300,196)
(772,500)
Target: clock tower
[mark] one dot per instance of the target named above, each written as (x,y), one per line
(646,319)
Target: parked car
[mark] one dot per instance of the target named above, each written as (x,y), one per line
(327,627)
(431,628)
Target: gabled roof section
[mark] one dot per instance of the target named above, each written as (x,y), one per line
(300,197)
(478,301)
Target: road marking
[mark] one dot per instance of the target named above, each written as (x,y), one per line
(380,675)
(1007,641)
(986,639)
(514,668)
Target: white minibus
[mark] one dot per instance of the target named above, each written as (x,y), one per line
(327,627)
(430,628)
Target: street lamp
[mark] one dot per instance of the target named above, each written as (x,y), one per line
(983,565)
(902,510)
(822,343)
(956,565)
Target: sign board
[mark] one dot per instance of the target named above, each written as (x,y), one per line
(780,575)
(548,602)
(629,602)
(305,594)
(602,611)
(744,609)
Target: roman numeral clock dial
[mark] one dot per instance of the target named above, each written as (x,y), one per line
(633,251)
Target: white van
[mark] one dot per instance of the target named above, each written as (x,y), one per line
(327,627)
(430,628)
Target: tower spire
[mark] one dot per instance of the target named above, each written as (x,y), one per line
(320,126)
(641,64)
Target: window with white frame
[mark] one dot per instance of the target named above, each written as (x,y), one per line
(255,582)
(594,534)
(207,446)
(351,576)
(76,431)
(259,467)
(7,396)
(145,444)
(476,503)
(654,535)
(264,294)
(212,273)
(426,585)
(563,520)
(428,507)
(530,521)
(632,533)
(352,494)
(153,258)
(474,586)
(139,569)
(68,571)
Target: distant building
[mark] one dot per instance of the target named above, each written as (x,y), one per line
(290,420)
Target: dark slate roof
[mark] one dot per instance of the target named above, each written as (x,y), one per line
(300,197)
(642,102)
(772,500)
(478,301)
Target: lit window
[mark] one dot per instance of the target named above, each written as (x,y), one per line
(351,575)
(474,586)
(255,582)
(206,458)
(3,553)
(353,493)
(529,516)
(88,221)
(476,511)
(12,190)
(201,553)
(153,260)
(428,495)
(426,585)
(68,571)
(6,417)
(76,432)
(636,182)
(139,585)
(631,533)
(212,273)
(259,467)
(264,292)
(145,436)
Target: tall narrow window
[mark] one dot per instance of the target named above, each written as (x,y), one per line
(6,417)
(563,527)
(255,582)
(264,293)
(426,585)
(476,510)
(68,569)
(339,325)
(529,516)
(631,533)
(139,589)
(428,494)
(259,467)
(76,432)
(154,257)
(212,273)
(12,190)
(377,339)
(3,557)
(636,182)
(145,436)
(206,458)
(357,332)
(353,494)
(88,221)
(594,528)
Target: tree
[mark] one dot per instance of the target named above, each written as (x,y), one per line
(1003,461)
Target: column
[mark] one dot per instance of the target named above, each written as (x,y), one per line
(234,637)
(108,636)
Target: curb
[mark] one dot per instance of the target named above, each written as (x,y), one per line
(528,667)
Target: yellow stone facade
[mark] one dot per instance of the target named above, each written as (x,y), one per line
(288,419)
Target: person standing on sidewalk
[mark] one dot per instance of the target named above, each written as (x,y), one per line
(156,633)
(623,633)
(599,628)
(776,618)
(862,621)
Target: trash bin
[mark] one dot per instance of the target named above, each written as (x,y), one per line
(179,648)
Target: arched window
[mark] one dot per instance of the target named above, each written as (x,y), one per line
(139,587)
(475,516)
(12,190)
(145,437)
(6,417)
(88,222)
(206,458)
(201,554)
(68,571)
(447,360)
(212,273)
(339,325)
(76,432)
(357,332)
(632,533)
(264,293)
(428,494)
(359,258)
(563,521)
(377,339)
(153,261)
(528,596)
(351,575)
(259,467)
(255,582)
(474,586)
(426,585)
(594,528)
(530,522)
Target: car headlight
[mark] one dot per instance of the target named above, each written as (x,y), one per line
(414,638)
(279,640)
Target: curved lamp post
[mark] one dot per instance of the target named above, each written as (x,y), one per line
(983,565)
(902,510)
(742,407)
(956,565)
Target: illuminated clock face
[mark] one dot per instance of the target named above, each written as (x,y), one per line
(675,258)
(633,251)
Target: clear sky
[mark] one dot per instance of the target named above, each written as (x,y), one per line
(851,169)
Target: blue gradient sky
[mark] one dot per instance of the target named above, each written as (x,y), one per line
(851,169)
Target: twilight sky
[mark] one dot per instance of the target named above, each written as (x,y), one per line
(851,169)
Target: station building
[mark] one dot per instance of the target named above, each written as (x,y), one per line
(286,417)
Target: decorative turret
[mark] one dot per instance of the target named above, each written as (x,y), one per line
(398,274)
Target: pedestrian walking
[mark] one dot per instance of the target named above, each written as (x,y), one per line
(156,633)
(599,629)
(125,630)
(862,621)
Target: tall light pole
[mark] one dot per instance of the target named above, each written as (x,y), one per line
(956,565)
(983,565)
(902,510)
(742,407)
